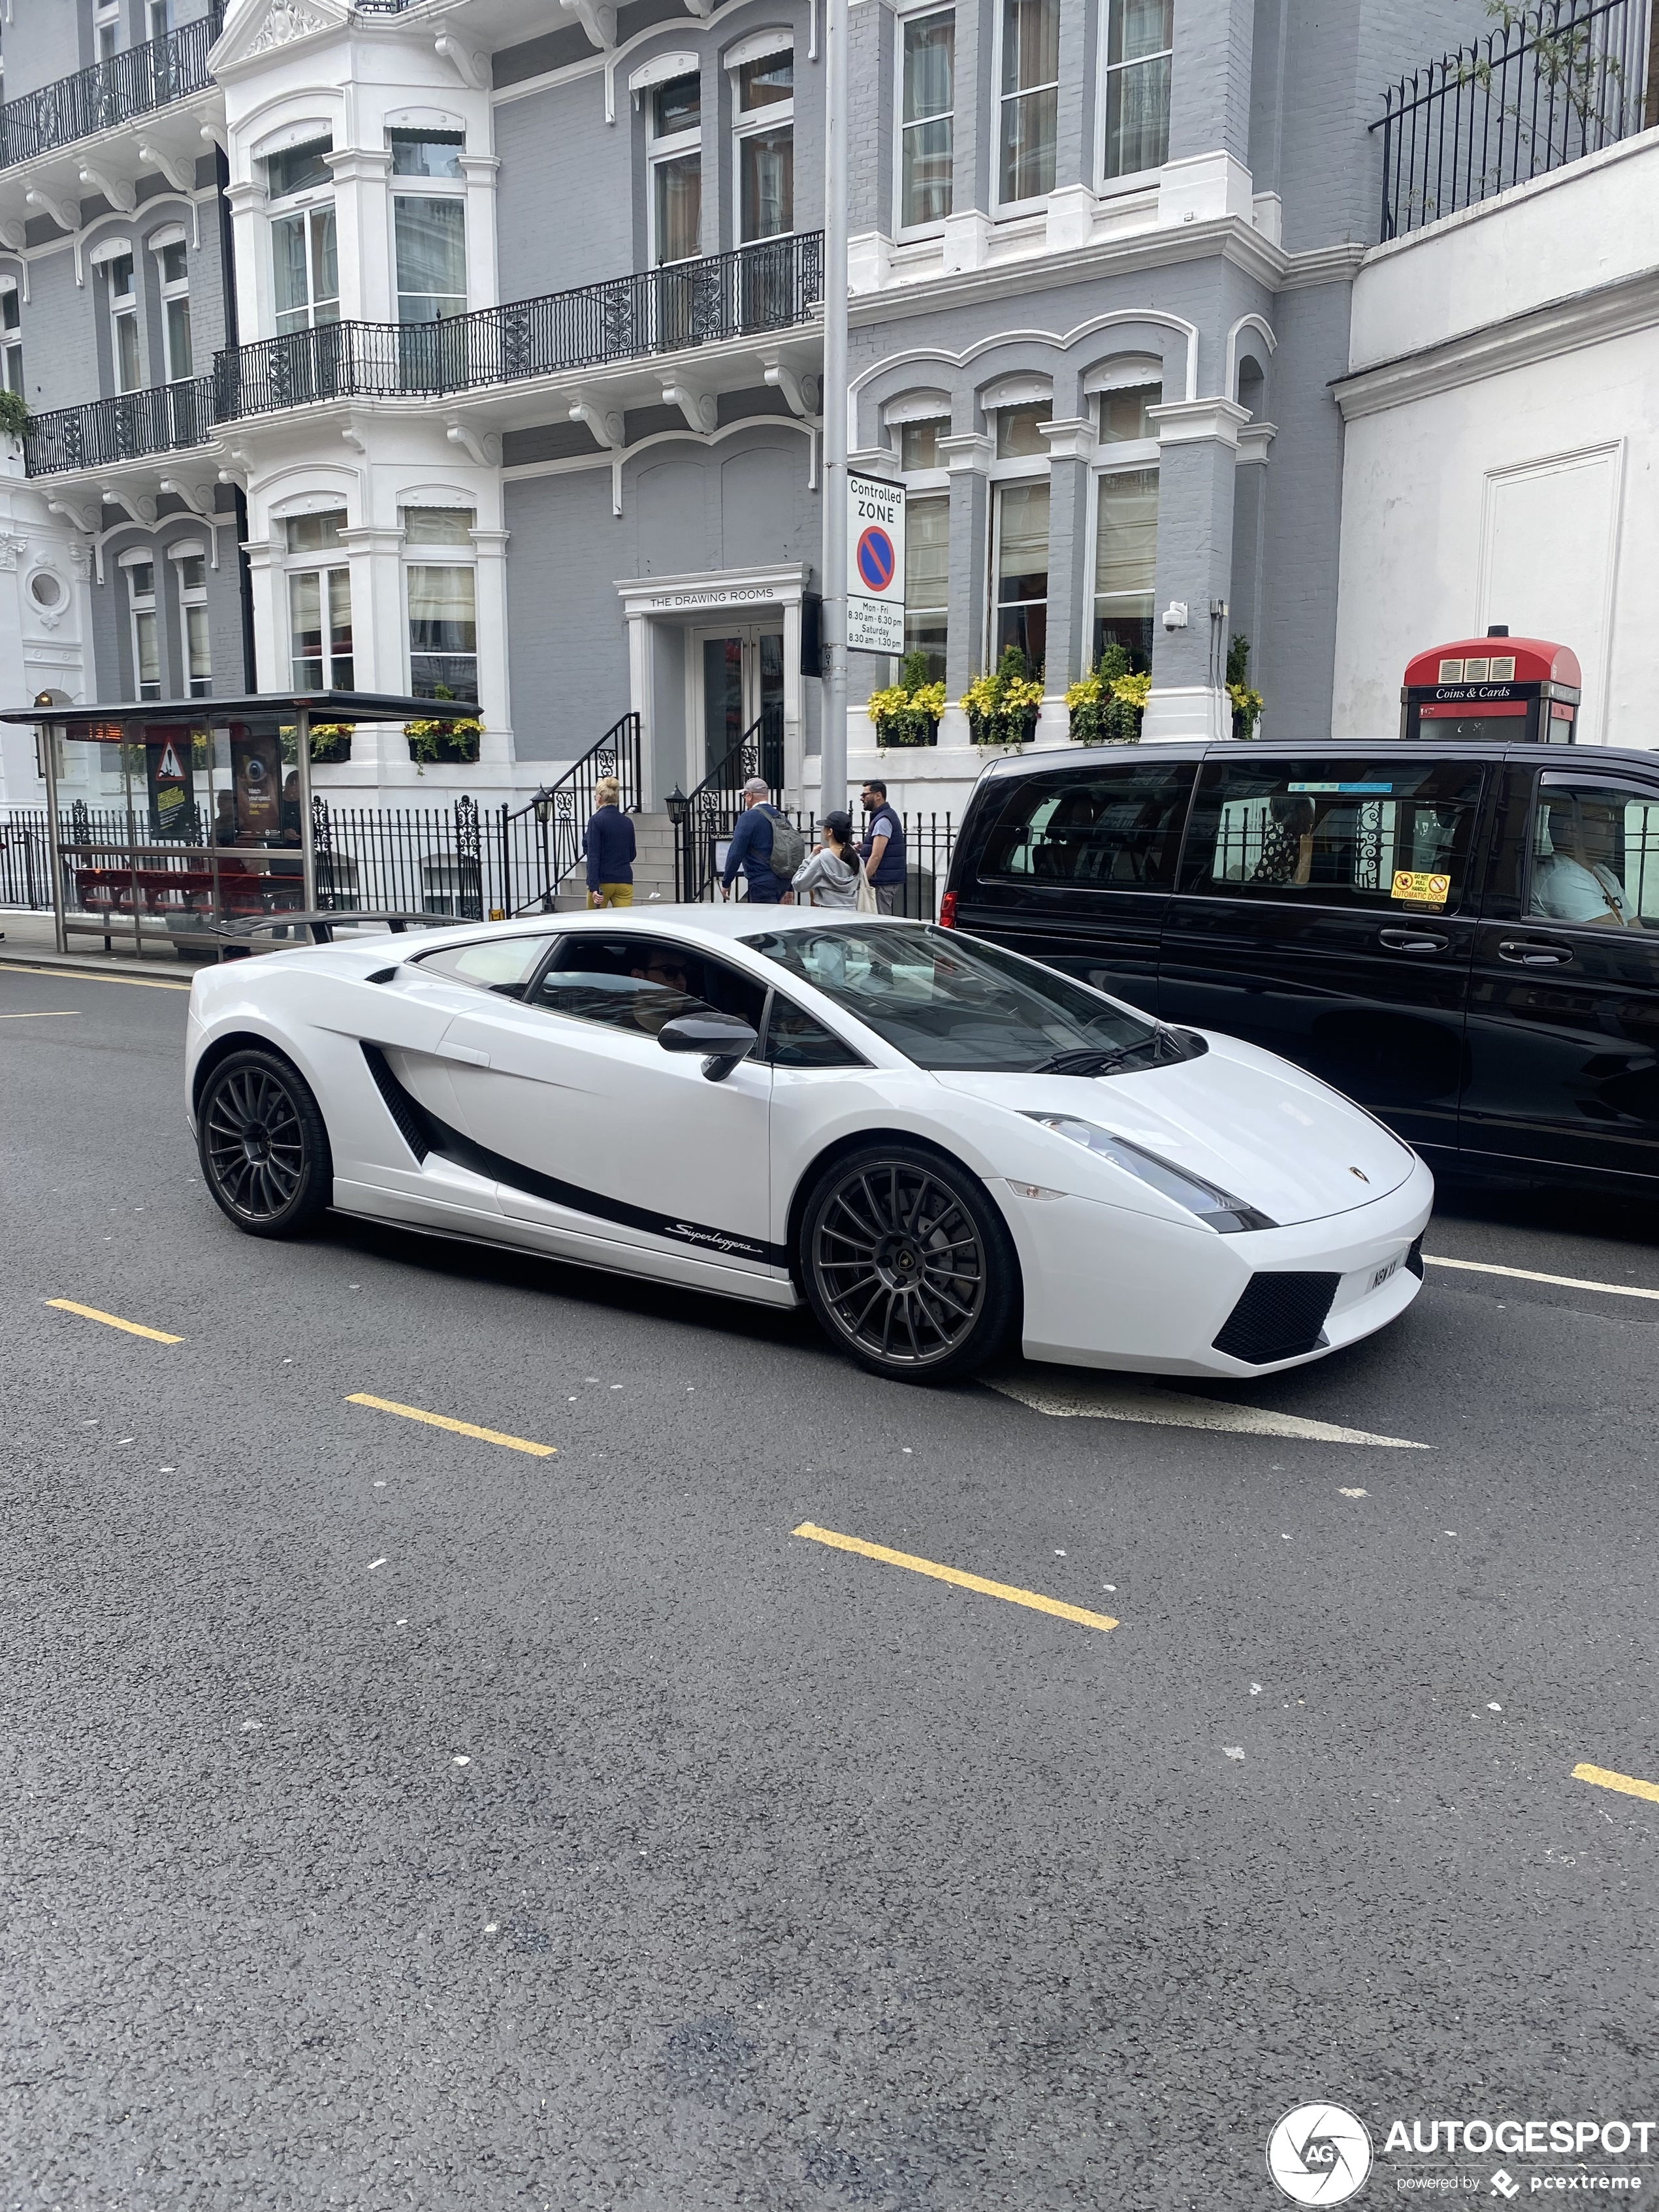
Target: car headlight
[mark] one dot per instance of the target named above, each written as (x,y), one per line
(1218,1207)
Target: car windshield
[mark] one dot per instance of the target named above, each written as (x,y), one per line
(947,1001)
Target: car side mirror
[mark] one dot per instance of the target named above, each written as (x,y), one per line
(721,1038)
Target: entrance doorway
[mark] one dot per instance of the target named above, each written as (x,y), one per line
(739,674)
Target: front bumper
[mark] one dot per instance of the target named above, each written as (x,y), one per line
(1111,1289)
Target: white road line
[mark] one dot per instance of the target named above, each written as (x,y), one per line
(1097,1398)
(1531,1275)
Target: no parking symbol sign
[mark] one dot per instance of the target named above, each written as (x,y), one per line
(875,566)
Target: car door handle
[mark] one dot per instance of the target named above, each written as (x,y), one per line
(1520,954)
(1412,941)
(468,1053)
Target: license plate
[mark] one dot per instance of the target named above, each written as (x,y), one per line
(1384,1273)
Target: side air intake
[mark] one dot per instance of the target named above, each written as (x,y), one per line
(411,1123)
(1278,1317)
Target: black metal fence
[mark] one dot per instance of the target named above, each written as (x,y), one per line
(1556,81)
(541,843)
(722,295)
(708,816)
(25,859)
(158,419)
(136,83)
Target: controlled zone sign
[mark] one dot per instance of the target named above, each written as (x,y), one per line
(875,566)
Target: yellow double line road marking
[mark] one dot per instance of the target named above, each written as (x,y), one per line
(1034,1599)
(1605,1779)
(456,1428)
(114,1321)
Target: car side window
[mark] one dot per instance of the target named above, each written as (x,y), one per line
(795,1038)
(1396,834)
(1594,855)
(1112,828)
(628,981)
(502,964)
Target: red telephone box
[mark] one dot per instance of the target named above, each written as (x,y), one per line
(1496,686)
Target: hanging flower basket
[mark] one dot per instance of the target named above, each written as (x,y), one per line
(1108,706)
(908,712)
(330,744)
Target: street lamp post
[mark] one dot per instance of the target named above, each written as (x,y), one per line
(832,792)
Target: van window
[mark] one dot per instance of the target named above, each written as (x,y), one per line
(1595,856)
(1387,833)
(1116,827)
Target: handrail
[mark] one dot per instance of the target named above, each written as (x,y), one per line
(712,809)
(542,841)
(158,419)
(133,83)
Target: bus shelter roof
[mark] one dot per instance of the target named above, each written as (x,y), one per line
(321,706)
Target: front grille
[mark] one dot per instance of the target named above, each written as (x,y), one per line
(1414,1258)
(1278,1317)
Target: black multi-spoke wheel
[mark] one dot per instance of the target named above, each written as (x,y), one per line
(907,1264)
(264,1151)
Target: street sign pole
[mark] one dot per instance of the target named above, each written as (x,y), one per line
(833,738)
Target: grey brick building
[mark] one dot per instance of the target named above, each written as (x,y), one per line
(476,343)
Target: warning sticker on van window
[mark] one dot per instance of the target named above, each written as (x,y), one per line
(1424,890)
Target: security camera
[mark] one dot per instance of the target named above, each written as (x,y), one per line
(1174,614)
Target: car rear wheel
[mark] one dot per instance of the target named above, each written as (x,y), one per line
(907,1264)
(264,1148)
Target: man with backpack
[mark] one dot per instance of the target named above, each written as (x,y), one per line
(767,846)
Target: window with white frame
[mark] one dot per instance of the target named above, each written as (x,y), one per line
(764,132)
(1124,419)
(139,569)
(441,588)
(676,165)
(319,603)
(1028,98)
(919,421)
(122,286)
(926,113)
(158,18)
(429,219)
(1140,35)
(1126,561)
(196,652)
(304,245)
(11,337)
(106,28)
(1019,532)
(173,261)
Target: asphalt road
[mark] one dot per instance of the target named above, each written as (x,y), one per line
(389,1817)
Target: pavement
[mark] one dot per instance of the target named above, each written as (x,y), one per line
(394,1814)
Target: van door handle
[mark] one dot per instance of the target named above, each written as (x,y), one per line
(1411,940)
(469,1054)
(1521,954)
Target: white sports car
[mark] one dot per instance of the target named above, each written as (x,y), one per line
(934,1142)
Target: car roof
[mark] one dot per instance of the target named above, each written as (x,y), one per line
(723,923)
(1276,749)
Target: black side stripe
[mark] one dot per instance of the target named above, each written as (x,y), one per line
(423,1133)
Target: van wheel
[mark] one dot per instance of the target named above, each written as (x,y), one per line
(263,1147)
(907,1264)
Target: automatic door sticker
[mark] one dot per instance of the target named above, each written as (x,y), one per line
(1424,890)
(1319,2154)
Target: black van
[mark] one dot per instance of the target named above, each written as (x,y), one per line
(1463,937)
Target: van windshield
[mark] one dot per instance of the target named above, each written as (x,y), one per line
(946,1001)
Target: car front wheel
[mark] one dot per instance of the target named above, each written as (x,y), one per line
(907,1264)
(264,1148)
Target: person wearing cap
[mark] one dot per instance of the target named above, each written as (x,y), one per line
(830,877)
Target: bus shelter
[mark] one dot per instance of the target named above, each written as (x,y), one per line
(169,821)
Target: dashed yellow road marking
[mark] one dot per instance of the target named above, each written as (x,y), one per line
(42,1014)
(1531,1275)
(113,1320)
(1605,1779)
(1034,1599)
(457,1428)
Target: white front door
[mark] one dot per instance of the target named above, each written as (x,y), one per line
(593,1130)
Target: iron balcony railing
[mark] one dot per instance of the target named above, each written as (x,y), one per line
(157,420)
(129,84)
(1557,80)
(746,293)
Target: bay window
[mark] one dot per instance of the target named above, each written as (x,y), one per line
(926,105)
(189,572)
(442,595)
(304,246)
(1140,35)
(1019,531)
(927,579)
(765,132)
(1029,98)
(428,225)
(319,604)
(140,572)
(1126,561)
